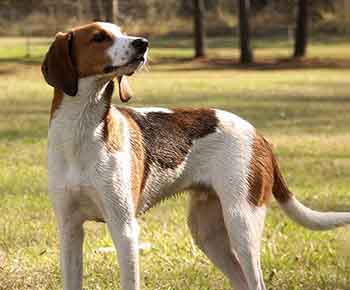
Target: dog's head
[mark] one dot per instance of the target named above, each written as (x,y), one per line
(97,49)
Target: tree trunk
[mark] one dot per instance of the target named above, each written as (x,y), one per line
(96,11)
(199,29)
(244,32)
(301,29)
(112,10)
(79,7)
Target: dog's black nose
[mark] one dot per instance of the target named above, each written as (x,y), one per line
(140,44)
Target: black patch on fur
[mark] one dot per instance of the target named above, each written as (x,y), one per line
(168,137)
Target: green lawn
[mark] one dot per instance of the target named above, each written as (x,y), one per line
(304,111)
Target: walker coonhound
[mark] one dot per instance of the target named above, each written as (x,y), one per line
(110,164)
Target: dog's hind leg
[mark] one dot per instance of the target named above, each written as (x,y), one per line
(208,230)
(244,224)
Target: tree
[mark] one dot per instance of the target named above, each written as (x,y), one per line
(244,32)
(301,29)
(199,28)
(95,6)
(112,10)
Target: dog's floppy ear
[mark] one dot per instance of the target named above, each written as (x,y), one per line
(125,92)
(58,67)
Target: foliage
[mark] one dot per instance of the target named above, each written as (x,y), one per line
(19,17)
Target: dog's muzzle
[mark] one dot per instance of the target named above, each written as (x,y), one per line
(140,46)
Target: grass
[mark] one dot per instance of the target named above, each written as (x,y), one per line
(303,111)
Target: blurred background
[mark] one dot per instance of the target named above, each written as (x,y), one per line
(286,20)
(284,65)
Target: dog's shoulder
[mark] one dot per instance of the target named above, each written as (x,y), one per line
(172,125)
(167,135)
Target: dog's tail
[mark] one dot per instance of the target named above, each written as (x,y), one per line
(311,219)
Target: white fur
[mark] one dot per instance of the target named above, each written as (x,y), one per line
(121,51)
(312,219)
(152,110)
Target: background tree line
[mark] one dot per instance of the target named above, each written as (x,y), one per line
(187,17)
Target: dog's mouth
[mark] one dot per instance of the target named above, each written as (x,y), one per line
(127,69)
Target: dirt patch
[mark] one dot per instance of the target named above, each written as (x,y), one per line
(278,64)
(259,64)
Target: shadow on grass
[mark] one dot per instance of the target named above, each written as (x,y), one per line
(309,284)
(8,71)
(259,65)
(190,64)
(308,99)
(36,133)
(22,60)
(342,286)
(276,40)
(30,124)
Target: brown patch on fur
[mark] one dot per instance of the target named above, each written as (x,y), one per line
(202,191)
(125,92)
(112,130)
(205,218)
(113,138)
(168,137)
(137,159)
(58,67)
(265,177)
(56,102)
(112,133)
(90,56)
(261,172)
(280,189)
(79,53)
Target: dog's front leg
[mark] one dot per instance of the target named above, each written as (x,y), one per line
(125,239)
(123,227)
(71,252)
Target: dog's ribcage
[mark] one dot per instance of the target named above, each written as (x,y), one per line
(187,148)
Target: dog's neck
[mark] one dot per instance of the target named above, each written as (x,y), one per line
(80,118)
(91,101)
(90,91)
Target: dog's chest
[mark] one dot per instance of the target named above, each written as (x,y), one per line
(73,154)
(72,183)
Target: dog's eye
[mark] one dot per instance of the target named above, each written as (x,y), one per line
(100,37)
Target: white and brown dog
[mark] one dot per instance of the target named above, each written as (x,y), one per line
(110,164)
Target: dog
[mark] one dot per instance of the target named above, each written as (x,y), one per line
(110,164)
